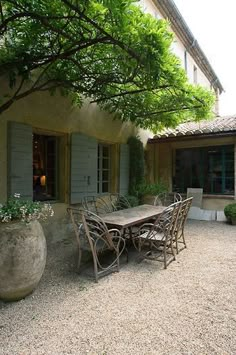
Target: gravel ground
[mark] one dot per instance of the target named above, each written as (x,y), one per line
(190,308)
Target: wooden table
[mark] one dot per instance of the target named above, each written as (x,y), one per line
(130,217)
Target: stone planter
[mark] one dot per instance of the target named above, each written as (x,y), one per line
(22,258)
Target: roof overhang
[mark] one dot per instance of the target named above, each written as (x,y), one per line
(192,137)
(170,11)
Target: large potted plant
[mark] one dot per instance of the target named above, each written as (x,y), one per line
(146,192)
(230,213)
(22,247)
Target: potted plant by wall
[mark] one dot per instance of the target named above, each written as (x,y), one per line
(230,213)
(146,192)
(22,247)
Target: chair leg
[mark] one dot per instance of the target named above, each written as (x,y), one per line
(165,263)
(79,259)
(184,242)
(95,266)
(127,255)
(176,243)
(172,250)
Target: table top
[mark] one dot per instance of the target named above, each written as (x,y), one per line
(132,216)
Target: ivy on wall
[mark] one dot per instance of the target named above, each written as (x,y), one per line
(136,163)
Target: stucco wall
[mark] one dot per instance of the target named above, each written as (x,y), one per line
(178,48)
(55,114)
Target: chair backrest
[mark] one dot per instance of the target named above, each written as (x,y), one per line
(96,230)
(97,205)
(166,222)
(185,206)
(89,203)
(119,202)
(76,219)
(166,198)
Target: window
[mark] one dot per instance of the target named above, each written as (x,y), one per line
(211,168)
(45,154)
(104,168)
(195,74)
(186,61)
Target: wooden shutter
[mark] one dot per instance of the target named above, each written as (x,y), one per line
(83,167)
(20,160)
(124,169)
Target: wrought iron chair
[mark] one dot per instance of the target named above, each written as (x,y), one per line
(180,224)
(97,205)
(101,239)
(119,202)
(166,198)
(158,237)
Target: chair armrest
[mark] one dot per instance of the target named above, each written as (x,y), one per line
(115,230)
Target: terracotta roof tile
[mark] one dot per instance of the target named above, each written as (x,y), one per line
(218,124)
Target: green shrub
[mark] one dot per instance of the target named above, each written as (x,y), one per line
(133,200)
(149,189)
(230,211)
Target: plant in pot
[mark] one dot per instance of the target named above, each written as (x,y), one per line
(146,192)
(22,246)
(230,213)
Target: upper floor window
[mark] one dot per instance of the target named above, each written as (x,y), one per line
(45,175)
(195,79)
(104,168)
(186,61)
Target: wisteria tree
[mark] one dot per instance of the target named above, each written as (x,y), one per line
(108,51)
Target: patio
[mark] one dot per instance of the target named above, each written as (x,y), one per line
(189,308)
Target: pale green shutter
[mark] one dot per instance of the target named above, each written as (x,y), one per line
(83,167)
(124,169)
(20,160)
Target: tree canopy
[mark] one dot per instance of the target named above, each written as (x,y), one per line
(106,50)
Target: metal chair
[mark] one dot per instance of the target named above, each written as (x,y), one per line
(75,216)
(166,198)
(180,224)
(101,239)
(119,202)
(97,205)
(158,237)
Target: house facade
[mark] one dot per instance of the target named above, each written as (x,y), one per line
(186,47)
(198,155)
(51,151)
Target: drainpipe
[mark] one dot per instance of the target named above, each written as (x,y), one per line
(235,171)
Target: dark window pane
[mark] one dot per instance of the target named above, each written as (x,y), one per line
(105,164)
(211,168)
(105,175)
(105,187)
(105,151)
(44,167)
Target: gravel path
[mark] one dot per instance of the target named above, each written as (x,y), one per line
(190,308)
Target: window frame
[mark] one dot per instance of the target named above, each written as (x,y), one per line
(60,163)
(195,74)
(101,169)
(207,169)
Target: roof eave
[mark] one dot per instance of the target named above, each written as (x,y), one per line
(192,137)
(180,27)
